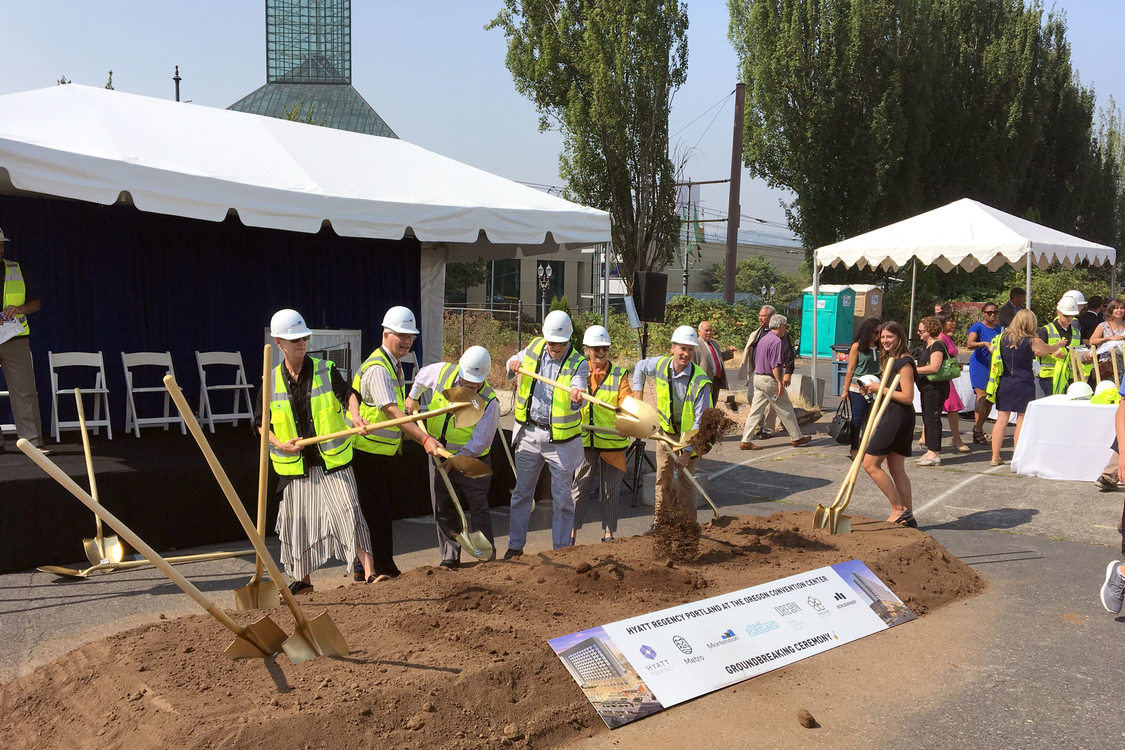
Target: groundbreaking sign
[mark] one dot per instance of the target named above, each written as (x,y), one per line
(636,667)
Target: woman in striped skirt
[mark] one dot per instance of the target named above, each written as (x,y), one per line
(319,516)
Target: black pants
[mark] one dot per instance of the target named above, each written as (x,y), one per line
(374,477)
(933,396)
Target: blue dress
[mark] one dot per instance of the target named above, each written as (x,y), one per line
(980,362)
(1017,385)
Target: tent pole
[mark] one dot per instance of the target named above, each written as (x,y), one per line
(913,284)
(815,297)
(1027,282)
(1113,281)
(605,285)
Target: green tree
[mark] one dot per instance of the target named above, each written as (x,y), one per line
(297,113)
(459,277)
(603,72)
(109,81)
(871,111)
(751,274)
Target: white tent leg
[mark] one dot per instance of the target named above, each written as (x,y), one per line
(432,280)
(1027,282)
(815,297)
(1113,281)
(913,284)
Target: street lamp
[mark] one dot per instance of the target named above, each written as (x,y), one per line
(545,273)
(770,291)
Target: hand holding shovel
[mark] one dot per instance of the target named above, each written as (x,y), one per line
(259,594)
(311,638)
(261,638)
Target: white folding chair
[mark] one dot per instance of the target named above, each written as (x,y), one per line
(240,388)
(98,391)
(409,369)
(7,427)
(163,361)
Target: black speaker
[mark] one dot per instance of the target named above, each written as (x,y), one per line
(650,293)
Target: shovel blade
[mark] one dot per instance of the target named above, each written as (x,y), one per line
(820,517)
(257,595)
(636,419)
(95,553)
(472,413)
(66,572)
(471,467)
(839,523)
(317,637)
(258,640)
(113,549)
(476,544)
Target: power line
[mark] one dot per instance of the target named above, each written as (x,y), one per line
(703,114)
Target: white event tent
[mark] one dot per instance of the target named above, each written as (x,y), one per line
(198,162)
(964,234)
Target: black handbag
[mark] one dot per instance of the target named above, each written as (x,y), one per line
(842,428)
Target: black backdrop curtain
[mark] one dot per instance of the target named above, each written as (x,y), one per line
(115,279)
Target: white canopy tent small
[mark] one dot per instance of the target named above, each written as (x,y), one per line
(182,159)
(964,234)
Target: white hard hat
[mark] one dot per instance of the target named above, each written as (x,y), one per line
(289,325)
(1077,296)
(1079,390)
(596,336)
(400,320)
(2,237)
(1105,385)
(475,364)
(557,327)
(685,335)
(1067,306)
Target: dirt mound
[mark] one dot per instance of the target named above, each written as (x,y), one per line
(440,658)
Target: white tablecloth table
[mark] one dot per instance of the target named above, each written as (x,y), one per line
(1064,439)
(964,387)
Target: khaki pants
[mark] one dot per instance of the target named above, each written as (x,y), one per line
(15,362)
(667,473)
(762,388)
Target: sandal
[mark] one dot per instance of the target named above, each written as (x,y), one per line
(978,437)
(907,519)
(963,448)
(607,538)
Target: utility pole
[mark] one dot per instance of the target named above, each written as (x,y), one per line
(733,208)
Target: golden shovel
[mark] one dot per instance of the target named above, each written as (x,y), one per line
(311,638)
(838,523)
(259,594)
(261,638)
(1116,372)
(821,515)
(109,567)
(471,467)
(100,550)
(635,418)
(473,542)
(467,405)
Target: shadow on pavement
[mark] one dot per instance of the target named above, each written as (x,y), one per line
(997,518)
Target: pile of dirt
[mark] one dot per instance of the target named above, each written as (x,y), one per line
(440,658)
(674,537)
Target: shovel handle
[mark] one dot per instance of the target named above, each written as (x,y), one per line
(876,403)
(702,491)
(849,484)
(256,540)
(380,425)
(507,449)
(452,495)
(263,456)
(556,384)
(1113,358)
(125,532)
(89,462)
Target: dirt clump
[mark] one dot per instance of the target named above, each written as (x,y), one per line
(675,538)
(714,424)
(452,661)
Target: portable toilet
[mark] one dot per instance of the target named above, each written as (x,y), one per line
(834,309)
(868,302)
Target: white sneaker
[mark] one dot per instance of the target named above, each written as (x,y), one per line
(1113,590)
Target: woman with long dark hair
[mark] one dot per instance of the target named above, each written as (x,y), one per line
(890,443)
(863,359)
(933,393)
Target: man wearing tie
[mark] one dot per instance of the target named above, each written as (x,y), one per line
(710,356)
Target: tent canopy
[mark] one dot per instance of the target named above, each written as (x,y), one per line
(200,162)
(965,234)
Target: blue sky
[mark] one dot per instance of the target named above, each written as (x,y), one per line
(431,70)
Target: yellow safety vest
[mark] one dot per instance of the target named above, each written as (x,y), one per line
(1048,361)
(328,417)
(566,422)
(598,417)
(386,441)
(664,396)
(15,291)
(441,427)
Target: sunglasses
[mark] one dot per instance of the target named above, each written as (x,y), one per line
(991,312)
